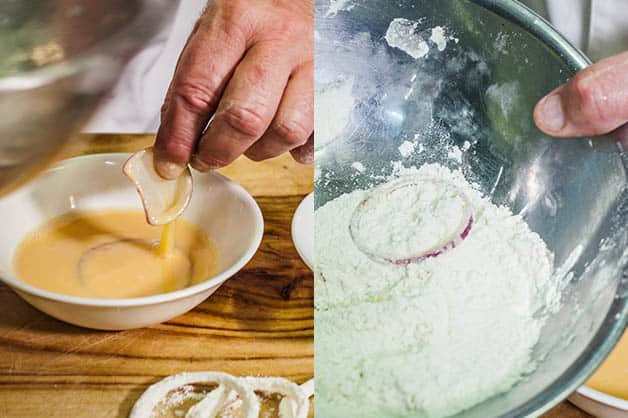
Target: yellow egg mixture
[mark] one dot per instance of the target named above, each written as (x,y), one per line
(114,254)
(612,376)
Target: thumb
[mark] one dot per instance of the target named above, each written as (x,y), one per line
(594,102)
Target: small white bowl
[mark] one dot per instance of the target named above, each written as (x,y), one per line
(599,404)
(219,207)
(303,230)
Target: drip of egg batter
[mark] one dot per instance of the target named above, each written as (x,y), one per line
(612,377)
(166,244)
(114,254)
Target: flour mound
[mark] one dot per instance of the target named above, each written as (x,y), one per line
(426,339)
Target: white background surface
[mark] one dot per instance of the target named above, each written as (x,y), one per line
(133,105)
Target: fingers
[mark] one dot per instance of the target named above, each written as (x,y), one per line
(234,69)
(294,122)
(247,107)
(305,153)
(594,102)
(203,70)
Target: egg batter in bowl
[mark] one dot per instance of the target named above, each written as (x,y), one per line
(114,254)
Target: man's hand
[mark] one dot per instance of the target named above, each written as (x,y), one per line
(250,65)
(594,102)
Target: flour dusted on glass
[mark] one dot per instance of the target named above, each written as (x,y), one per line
(455,153)
(439,38)
(402,34)
(427,339)
(336,6)
(505,96)
(334,104)
(358,166)
(407,148)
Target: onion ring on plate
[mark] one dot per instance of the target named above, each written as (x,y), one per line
(230,390)
(155,394)
(295,402)
(210,406)
(409,220)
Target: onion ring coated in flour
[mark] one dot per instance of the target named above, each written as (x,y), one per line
(295,402)
(433,216)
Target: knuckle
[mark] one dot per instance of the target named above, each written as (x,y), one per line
(287,26)
(175,144)
(591,96)
(243,120)
(236,17)
(173,148)
(292,26)
(231,9)
(259,72)
(205,161)
(291,132)
(197,97)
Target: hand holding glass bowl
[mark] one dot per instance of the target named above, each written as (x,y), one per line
(594,102)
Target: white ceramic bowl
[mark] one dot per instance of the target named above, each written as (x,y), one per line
(219,207)
(599,404)
(303,230)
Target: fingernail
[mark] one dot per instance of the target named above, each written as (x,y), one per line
(201,165)
(552,112)
(168,169)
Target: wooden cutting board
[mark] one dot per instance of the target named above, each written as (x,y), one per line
(260,322)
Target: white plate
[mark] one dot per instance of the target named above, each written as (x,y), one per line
(599,404)
(303,230)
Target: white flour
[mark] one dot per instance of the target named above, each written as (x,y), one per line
(427,216)
(334,105)
(427,339)
(505,96)
(336,6)
(358,166)
(402,34)
(455,153)
(407,148)
(439,38)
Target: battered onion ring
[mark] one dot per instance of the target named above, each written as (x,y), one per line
(295,402)
(163,200)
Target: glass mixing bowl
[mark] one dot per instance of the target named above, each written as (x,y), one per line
(469,107)
(58,58)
